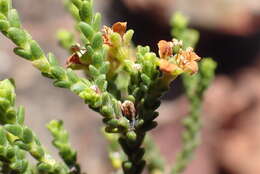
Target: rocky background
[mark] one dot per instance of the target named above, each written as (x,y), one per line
(230,32)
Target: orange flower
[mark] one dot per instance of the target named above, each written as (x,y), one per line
(120,27)
(167,67)
(165,49)
(187,60)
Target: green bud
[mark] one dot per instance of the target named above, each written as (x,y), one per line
(42,64)
(146,79)
(36,50)
(101,82)
(85,11)
(93,71)
(2,150)
(72,75)
(14,129)
(20,166)
(52,60)
(58,72)
(77,3)
(14,18)
(179,21)
(97,58)
(97,41)
(116,39)
(5,5)
(128,37)
(23,53)
(104,67)
(37,152)
(18,36)
(4,104)
(122,80)
(21,145)
(10,115)
(123,122)
(4,25)
(3,139)
(27,136)
(86,29)
(127,165)
(97,22)
(44,167)
(107,111)
(78,87)
(62,84)
(131,136)
(112,122)
(10,153)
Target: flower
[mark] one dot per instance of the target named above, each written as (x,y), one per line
(73,61)
(119,27)
(166,66)
(182,61)
(165,49)
(187,60)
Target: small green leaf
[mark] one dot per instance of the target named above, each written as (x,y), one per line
(58,72)
(27,135)
(62,84)
(23,53)
(97,22)
(14,18)
(93,71)
(36,50)
(14,129)
(5,5)
(4,25)
(52,59)
(85,11)
(18,36)
(86,29)
(97,41)
(3,139)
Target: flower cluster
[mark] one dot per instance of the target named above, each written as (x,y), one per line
(181,61)
(122,82)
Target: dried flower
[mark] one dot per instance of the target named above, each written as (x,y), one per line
(165,49)
(120,27)
(74,59)
(128,109)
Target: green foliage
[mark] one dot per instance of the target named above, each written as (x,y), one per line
(17,139)
(122,83)
(195,86)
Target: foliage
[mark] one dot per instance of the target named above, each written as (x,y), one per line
(122,82)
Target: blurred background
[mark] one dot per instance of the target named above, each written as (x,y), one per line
(230,33)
